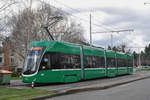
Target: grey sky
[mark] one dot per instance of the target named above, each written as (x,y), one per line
(112,15)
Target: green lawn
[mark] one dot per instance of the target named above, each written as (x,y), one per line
(15,78)
(21,94)
(143,69)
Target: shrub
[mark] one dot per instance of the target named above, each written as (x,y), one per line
(15,74)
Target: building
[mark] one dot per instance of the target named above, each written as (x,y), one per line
(12,63)
(7,59)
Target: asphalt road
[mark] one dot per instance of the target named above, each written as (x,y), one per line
(139,90)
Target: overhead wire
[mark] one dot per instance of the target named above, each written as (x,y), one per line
(99,25)
(86,20)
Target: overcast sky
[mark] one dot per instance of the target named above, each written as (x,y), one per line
(111,15)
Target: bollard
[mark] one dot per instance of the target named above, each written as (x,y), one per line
(32,85)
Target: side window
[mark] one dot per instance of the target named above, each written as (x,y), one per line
(94,61)
(45,62)
(119,62)
(130,63)
(65,61)
(122,62)
(88,61)
(125,63)
(102,61)
(55,60)
(111,62)
(75,60)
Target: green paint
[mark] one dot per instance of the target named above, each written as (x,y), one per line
(93,51)
(94,73)
(122,71)
(56,46)
(121,55)
(112,72)
(110,53)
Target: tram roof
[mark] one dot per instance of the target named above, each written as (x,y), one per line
(110,53)
(121,55)
(72,48)
(66,47)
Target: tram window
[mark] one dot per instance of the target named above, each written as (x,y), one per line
(130,63)
(45,62)
(88,61)
(101,62)
(111,62)
(122,63)
(102,59)
(94,62)
(65,61)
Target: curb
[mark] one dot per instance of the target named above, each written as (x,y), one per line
(90,88)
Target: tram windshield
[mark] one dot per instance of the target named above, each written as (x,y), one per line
(31,61)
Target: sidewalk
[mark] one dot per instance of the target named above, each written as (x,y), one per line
(14,83)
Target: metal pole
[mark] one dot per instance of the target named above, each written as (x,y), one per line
(30,4)
(111,41)
(90,32)
(105,62)
(50,35)
(82,62)
(139,57)
(133,61)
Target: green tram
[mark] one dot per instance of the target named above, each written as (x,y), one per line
(54,61)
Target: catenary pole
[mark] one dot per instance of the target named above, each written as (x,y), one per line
(90,31)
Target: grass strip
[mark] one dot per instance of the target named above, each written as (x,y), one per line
(15,78)
(21,94)
(143,69)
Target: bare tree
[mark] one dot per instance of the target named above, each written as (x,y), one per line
(120,48)
(6,8)
(26,27)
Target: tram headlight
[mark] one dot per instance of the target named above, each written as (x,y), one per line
(43,67)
